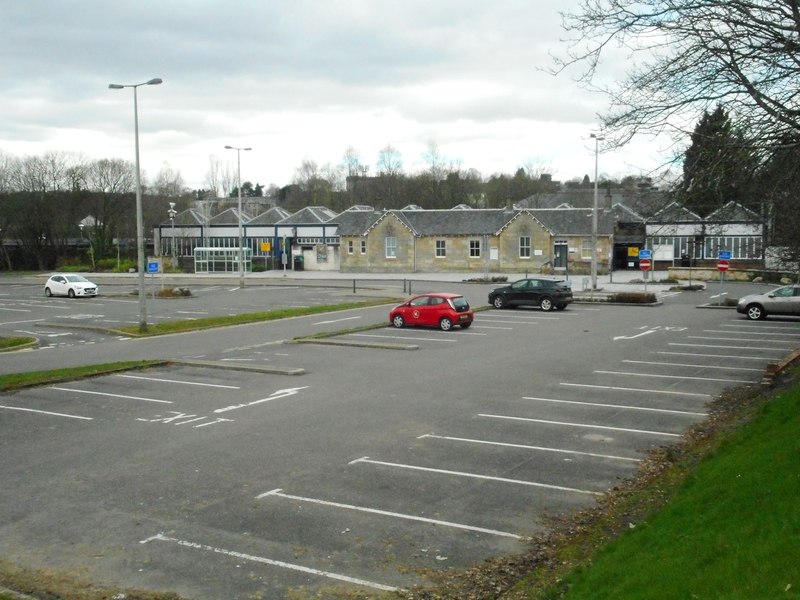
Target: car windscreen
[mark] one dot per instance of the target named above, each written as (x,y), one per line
(76,278)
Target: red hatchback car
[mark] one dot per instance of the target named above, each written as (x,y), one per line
(440,310)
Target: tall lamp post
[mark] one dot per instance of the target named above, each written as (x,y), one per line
(172,212)
(239,189)
(139,216)
(597,139)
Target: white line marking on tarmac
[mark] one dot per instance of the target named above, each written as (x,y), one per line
(45,412)
(625,389)
(367,459)
(628,374)
(617,406)
(581,425)
(526,447)
(268,561)
(274,396)
(215,385)
(725,339)
(726,347)
(404,337)
(669,364)
(61,389)
(729,356)
(336,320)
(279,492)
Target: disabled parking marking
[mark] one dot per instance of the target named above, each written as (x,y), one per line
(46,412)
(366,459)
(268,561)
(375,511)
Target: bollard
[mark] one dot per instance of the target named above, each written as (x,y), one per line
(354,286)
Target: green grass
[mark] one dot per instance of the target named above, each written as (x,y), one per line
(226,321)
(15,381)
(730,530)
(11,343)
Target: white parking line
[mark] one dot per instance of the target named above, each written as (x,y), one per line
(404,337)
(638,390)
(214,385)
(725,339)
(620,406)
(279,492)
(581,425)
(750,332)
(728,356)
(629,374)
(367,459)
(527,447)
(669,364)
(61,389)
(336,320)
(45,412)
(268,561)
(724,346)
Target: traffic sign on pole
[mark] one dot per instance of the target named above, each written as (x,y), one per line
(644,264)
(723,265)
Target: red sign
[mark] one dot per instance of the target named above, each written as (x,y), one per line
(644,264)
(722,265)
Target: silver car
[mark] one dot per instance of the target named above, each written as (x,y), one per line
(69,284)
(780,301)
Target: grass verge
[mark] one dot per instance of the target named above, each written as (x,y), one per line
(16,381)
(227,321)
(11,343)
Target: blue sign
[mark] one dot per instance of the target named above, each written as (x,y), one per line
(152,266)
(724,254)
(645,253)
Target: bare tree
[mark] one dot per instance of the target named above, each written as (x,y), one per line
(686,57)
(168,182)
(390,161)
(112,176)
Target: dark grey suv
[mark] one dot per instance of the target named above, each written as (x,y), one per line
(547,294)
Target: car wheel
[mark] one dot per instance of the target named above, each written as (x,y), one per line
(47,292)
(465,325)
(71,293)
(398,321)
(546,304)
(499,302)
(445,324)
(755,312)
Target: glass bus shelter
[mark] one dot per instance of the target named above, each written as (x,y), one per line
(222,260)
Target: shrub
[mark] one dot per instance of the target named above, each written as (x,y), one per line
(633,297)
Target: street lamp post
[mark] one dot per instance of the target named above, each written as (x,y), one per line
(139,216)
(91,245)
(172,212)
(594,213)
(239,189)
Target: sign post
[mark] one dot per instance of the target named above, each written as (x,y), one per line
(723,262)
(645,263)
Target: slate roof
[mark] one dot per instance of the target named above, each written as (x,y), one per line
(191,217)
(270,217)
(675,213)
(733,212)
(229,217)
(310,215)
(574,221)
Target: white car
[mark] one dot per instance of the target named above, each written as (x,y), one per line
(69,284)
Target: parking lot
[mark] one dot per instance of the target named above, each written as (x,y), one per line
(372,467)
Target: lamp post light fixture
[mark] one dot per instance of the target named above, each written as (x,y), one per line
(597,140)
(172,212)
(139,216)
(81,225)
(239,189)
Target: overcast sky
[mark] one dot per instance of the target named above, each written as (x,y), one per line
(300,79)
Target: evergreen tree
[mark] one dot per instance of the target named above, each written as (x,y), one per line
(718,166)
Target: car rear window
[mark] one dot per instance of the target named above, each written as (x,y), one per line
(460,303)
